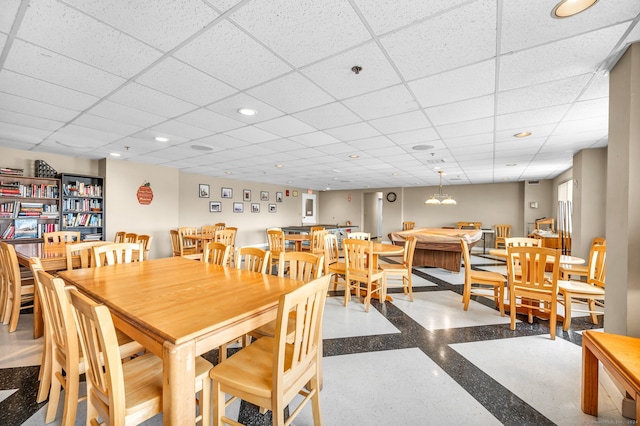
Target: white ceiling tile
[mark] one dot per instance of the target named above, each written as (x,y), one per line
(223,142)
(425,49)
(125,114)
(326,116)
(83,136)
(64,30)
(173,128)
(596,108)
(317,34)
(251,134)
(463,83)
(336,77)
(598,87)
(316,139)
(285,126)
(353,131)
(161,23)
(558,60)
(25,58)
(283,93)
(25,120)
(9,10)
(401,122)
(469,109)
(141,97)
(22,134)
(27,106)
(416,137)
(468,128)
(385,102)
(229,54)
(530,118)
(282,146)
(210,120)
(100,123)
(185,82)
(539,131)
(15,144)
(584,125)
(518,33)
(232,104)
(542,95)
(3,40)
(38,90)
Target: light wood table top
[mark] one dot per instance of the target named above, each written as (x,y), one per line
(298,239)
(564,259)
(180,308)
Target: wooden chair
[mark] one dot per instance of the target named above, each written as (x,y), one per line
(359,236)
(189,245)
(66,361)
(227,237)
(316,243)
(272,371)
(84,251)
(402,271)
(277,244)
(476,283)
(522,241)
(220,226)
(131,237)
(590,293)
(61,237)
(546,224)
(145,240)
(119,238)
(216,253)
(44,375)
(19,290)
(124,393)
(358,271)
(252,259)
(114,253)
(208,231)
(531,291)
(580,270)
(176,242)
(501,232)
(406,226)
(469,225)
(332,264)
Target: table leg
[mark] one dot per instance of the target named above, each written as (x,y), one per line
(589,381)
(178,383)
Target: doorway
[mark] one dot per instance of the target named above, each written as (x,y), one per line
(309,209)
(372,214)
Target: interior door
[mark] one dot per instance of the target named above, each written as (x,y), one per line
(309,209)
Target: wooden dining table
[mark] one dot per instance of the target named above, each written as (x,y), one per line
(297,239)
(180,308)
(564,259)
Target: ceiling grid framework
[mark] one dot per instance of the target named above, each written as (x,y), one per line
(88,79)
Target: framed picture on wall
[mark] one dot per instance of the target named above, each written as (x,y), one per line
(203,190)
(246,195)
(264,195)
(278,197)
(238,207)
(215,207)
(226,193)
(255,207)
(272,208)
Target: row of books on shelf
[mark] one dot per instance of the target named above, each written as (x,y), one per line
(80,189)
(16,189)
(11,171)
(81,204)
(71,220)
(17,209)
(27,228)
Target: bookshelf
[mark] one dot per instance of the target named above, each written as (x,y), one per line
(29,206)
(82,206)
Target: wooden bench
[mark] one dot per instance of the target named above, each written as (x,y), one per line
(620,355)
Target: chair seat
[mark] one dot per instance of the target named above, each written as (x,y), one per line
(580,287)
(397,268)
(337,268)
(479,276)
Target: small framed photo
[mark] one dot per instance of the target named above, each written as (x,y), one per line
(278,197)
(246,195)
(215,207)
(264,195)
(255,207)
(203,190)
(295,193)
(227,193)
(238,207)
(272,208)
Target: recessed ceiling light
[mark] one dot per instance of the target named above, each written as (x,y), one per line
(522,134)
(567,8)
(247,111)
(161,139)
(228,172)
(279,166)
(423,147)
(354,156)
(201,148)
(114,154)
(394,174)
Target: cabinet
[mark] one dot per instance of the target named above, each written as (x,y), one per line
(83,206)
(29,207)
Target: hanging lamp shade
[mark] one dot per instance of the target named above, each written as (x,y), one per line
(440,198)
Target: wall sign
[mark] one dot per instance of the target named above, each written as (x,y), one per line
(145,194)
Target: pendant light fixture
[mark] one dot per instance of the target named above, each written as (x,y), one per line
(440,198)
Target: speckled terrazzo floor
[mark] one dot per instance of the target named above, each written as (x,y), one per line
(411,363)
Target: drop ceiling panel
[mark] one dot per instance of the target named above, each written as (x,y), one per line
(83,136)
(385,102)
(469,31)
(315,139)
(57,27)
(283,93)
(141,97)
(23,134)
(232,104)
(353,131)
(37,109)
(285,126)
(317,34)
(184,82)
(162,24)
(103,124)
(3,40)
(25,120)
(251,134)
(223,142)
(588,109)
(541,131)
(531,118)
(9,10)
(125,114)
(326,116)
(176,128)
(598,87)
(467,128)
(210,120)
(401,122)
(467,110)
(227,53)
(25,58)
(38,90)
(417,137)
(585,125)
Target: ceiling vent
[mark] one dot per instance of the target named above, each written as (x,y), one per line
(533,182)
(435,161)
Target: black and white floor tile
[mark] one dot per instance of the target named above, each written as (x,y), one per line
(410,363)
